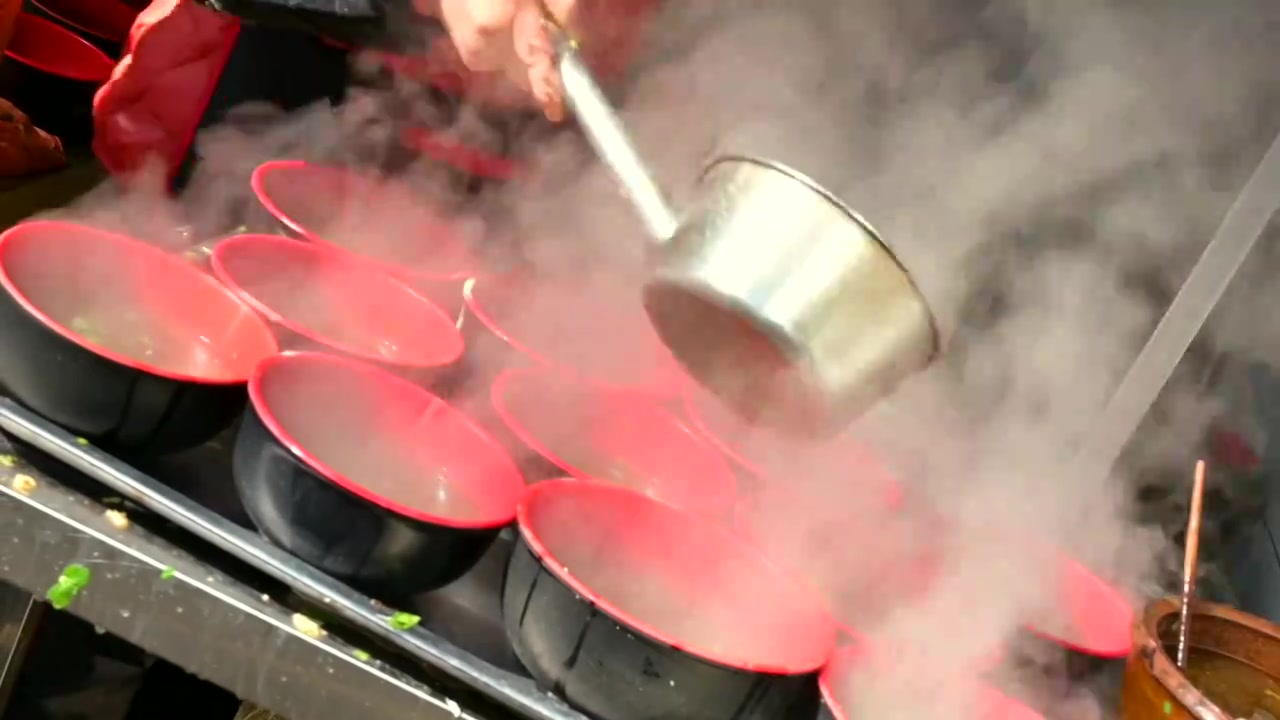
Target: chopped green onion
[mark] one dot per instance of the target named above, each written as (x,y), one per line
(403,621)
(362,656)
(168,573)
(81,441)
(73,579)
(8,461)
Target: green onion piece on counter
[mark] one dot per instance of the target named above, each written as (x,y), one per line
(81,441)
(73,579)
(362,656)
(168,573)
(403,621)
(8,461)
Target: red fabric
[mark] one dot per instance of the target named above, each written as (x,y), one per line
(152,105)
(613,32)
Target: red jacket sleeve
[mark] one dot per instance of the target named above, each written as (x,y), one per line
(151,107)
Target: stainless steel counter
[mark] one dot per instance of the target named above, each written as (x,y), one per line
(200,619)
(190,586)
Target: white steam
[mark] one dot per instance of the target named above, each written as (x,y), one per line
(1046,171)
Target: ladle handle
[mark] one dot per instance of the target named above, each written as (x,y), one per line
(606,134)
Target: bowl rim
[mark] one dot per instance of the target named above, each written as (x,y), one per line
(460,157)
(813,661)
(512,478)
(660,391)
(130,245)
(71,37)
(258,184)
(454,350)
(99,32)
(846,653)
(699,422)
(718,504)
(1115,601)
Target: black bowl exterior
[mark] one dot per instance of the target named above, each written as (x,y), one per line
(610,672)
(57,105)
(824,711)
(118,408)
(348,537)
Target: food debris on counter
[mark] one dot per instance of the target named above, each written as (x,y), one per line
(361,655)
(24,484)
(168,573)
(307,626)
(117,518)
(74,579)
(8,461)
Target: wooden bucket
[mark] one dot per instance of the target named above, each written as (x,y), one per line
(1154,686)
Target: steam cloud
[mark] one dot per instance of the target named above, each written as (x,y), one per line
(1047,172)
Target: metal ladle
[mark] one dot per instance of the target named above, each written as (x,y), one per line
(769,291)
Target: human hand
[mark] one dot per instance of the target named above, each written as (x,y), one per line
(509,38)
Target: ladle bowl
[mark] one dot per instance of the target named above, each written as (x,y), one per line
(121,342)
(369,477)
(628,607)
(767,288)
(604,434)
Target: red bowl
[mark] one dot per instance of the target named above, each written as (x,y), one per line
(460,157)
(1093,617)
(112,337)
(675,577)
(108,20)
(835,678)
(596,332)
(618,437)
(748,446)
(132,303)
(382,222)
(887,556)
(368,476)
(657,608)
(50,48)
(329,301)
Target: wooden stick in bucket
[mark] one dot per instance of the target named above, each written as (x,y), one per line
(1189,561)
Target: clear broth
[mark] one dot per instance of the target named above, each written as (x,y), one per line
(1238,688)
(128,332)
